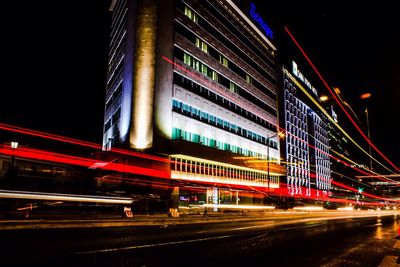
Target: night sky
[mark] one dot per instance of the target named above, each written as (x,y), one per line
(56,59)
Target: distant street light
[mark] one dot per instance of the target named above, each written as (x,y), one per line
(14,145)
(365,96)
(324,98)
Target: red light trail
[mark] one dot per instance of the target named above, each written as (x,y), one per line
(337,100)
(73,141)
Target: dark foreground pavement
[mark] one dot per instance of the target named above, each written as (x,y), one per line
(268,239)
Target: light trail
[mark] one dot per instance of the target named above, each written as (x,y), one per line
(73,141)
(62,158)
(278,127)
(336,99)
(63,197)
(49,156)
(330,118)
(79,161)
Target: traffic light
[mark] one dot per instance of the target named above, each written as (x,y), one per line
(360,190)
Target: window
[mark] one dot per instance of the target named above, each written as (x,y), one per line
(223,60)
(187,59)
(214,76)
(190,14)
(202,45)
(249,79)
(233,87)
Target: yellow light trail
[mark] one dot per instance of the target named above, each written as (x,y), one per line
(330,118)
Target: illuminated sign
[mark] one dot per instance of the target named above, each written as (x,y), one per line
(301,77)
(260,21)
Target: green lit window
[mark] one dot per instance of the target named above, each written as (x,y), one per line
(220,145)
(202,45)
(195,138)
(204,69)
(227,147)
(249,79)
(187,59)
(176,133)
(190,14)
(214,76)
(223,60)
(233,87)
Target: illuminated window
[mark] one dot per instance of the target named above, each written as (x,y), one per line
(190,14)
(202,68)
(214,76)
(233,87)
(202,45)
(187,59)
(249,79)
(223,60)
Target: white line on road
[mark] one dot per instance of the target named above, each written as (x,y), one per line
(153,245)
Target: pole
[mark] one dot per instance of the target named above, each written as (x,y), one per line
(268,162)
(369,137)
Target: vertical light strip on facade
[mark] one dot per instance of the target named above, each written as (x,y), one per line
(141,134)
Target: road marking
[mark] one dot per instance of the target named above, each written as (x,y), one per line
(389,261)
(152,245)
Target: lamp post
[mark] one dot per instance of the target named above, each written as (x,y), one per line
(369,137)
(269,138)
(14,145)
(367,96)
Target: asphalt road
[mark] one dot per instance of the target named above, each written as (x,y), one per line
(280,241)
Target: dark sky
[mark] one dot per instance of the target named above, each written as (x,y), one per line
(56,57)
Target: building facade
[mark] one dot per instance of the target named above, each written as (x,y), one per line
(306,142)
(197,81)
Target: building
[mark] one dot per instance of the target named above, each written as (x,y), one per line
(196,81)
(306,141)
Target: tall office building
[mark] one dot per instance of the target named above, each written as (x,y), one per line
(307,142)
(195,80)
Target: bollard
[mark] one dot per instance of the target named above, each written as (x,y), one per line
(128,212)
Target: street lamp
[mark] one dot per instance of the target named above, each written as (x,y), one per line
(268,159)
(367,96)
(14,145)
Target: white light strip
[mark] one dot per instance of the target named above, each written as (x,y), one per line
(227,206)
(346,208)
(219,180)
(182,156)
(63,197)
(308,208)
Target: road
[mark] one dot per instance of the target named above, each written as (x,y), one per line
(280,240)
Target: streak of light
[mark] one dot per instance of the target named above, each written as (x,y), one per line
(349,208)
(79,161)
(63,197)
(248,207)
(73,141)
(280,129)
(340,104)
(309,208)
(331,119)
(61,158)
